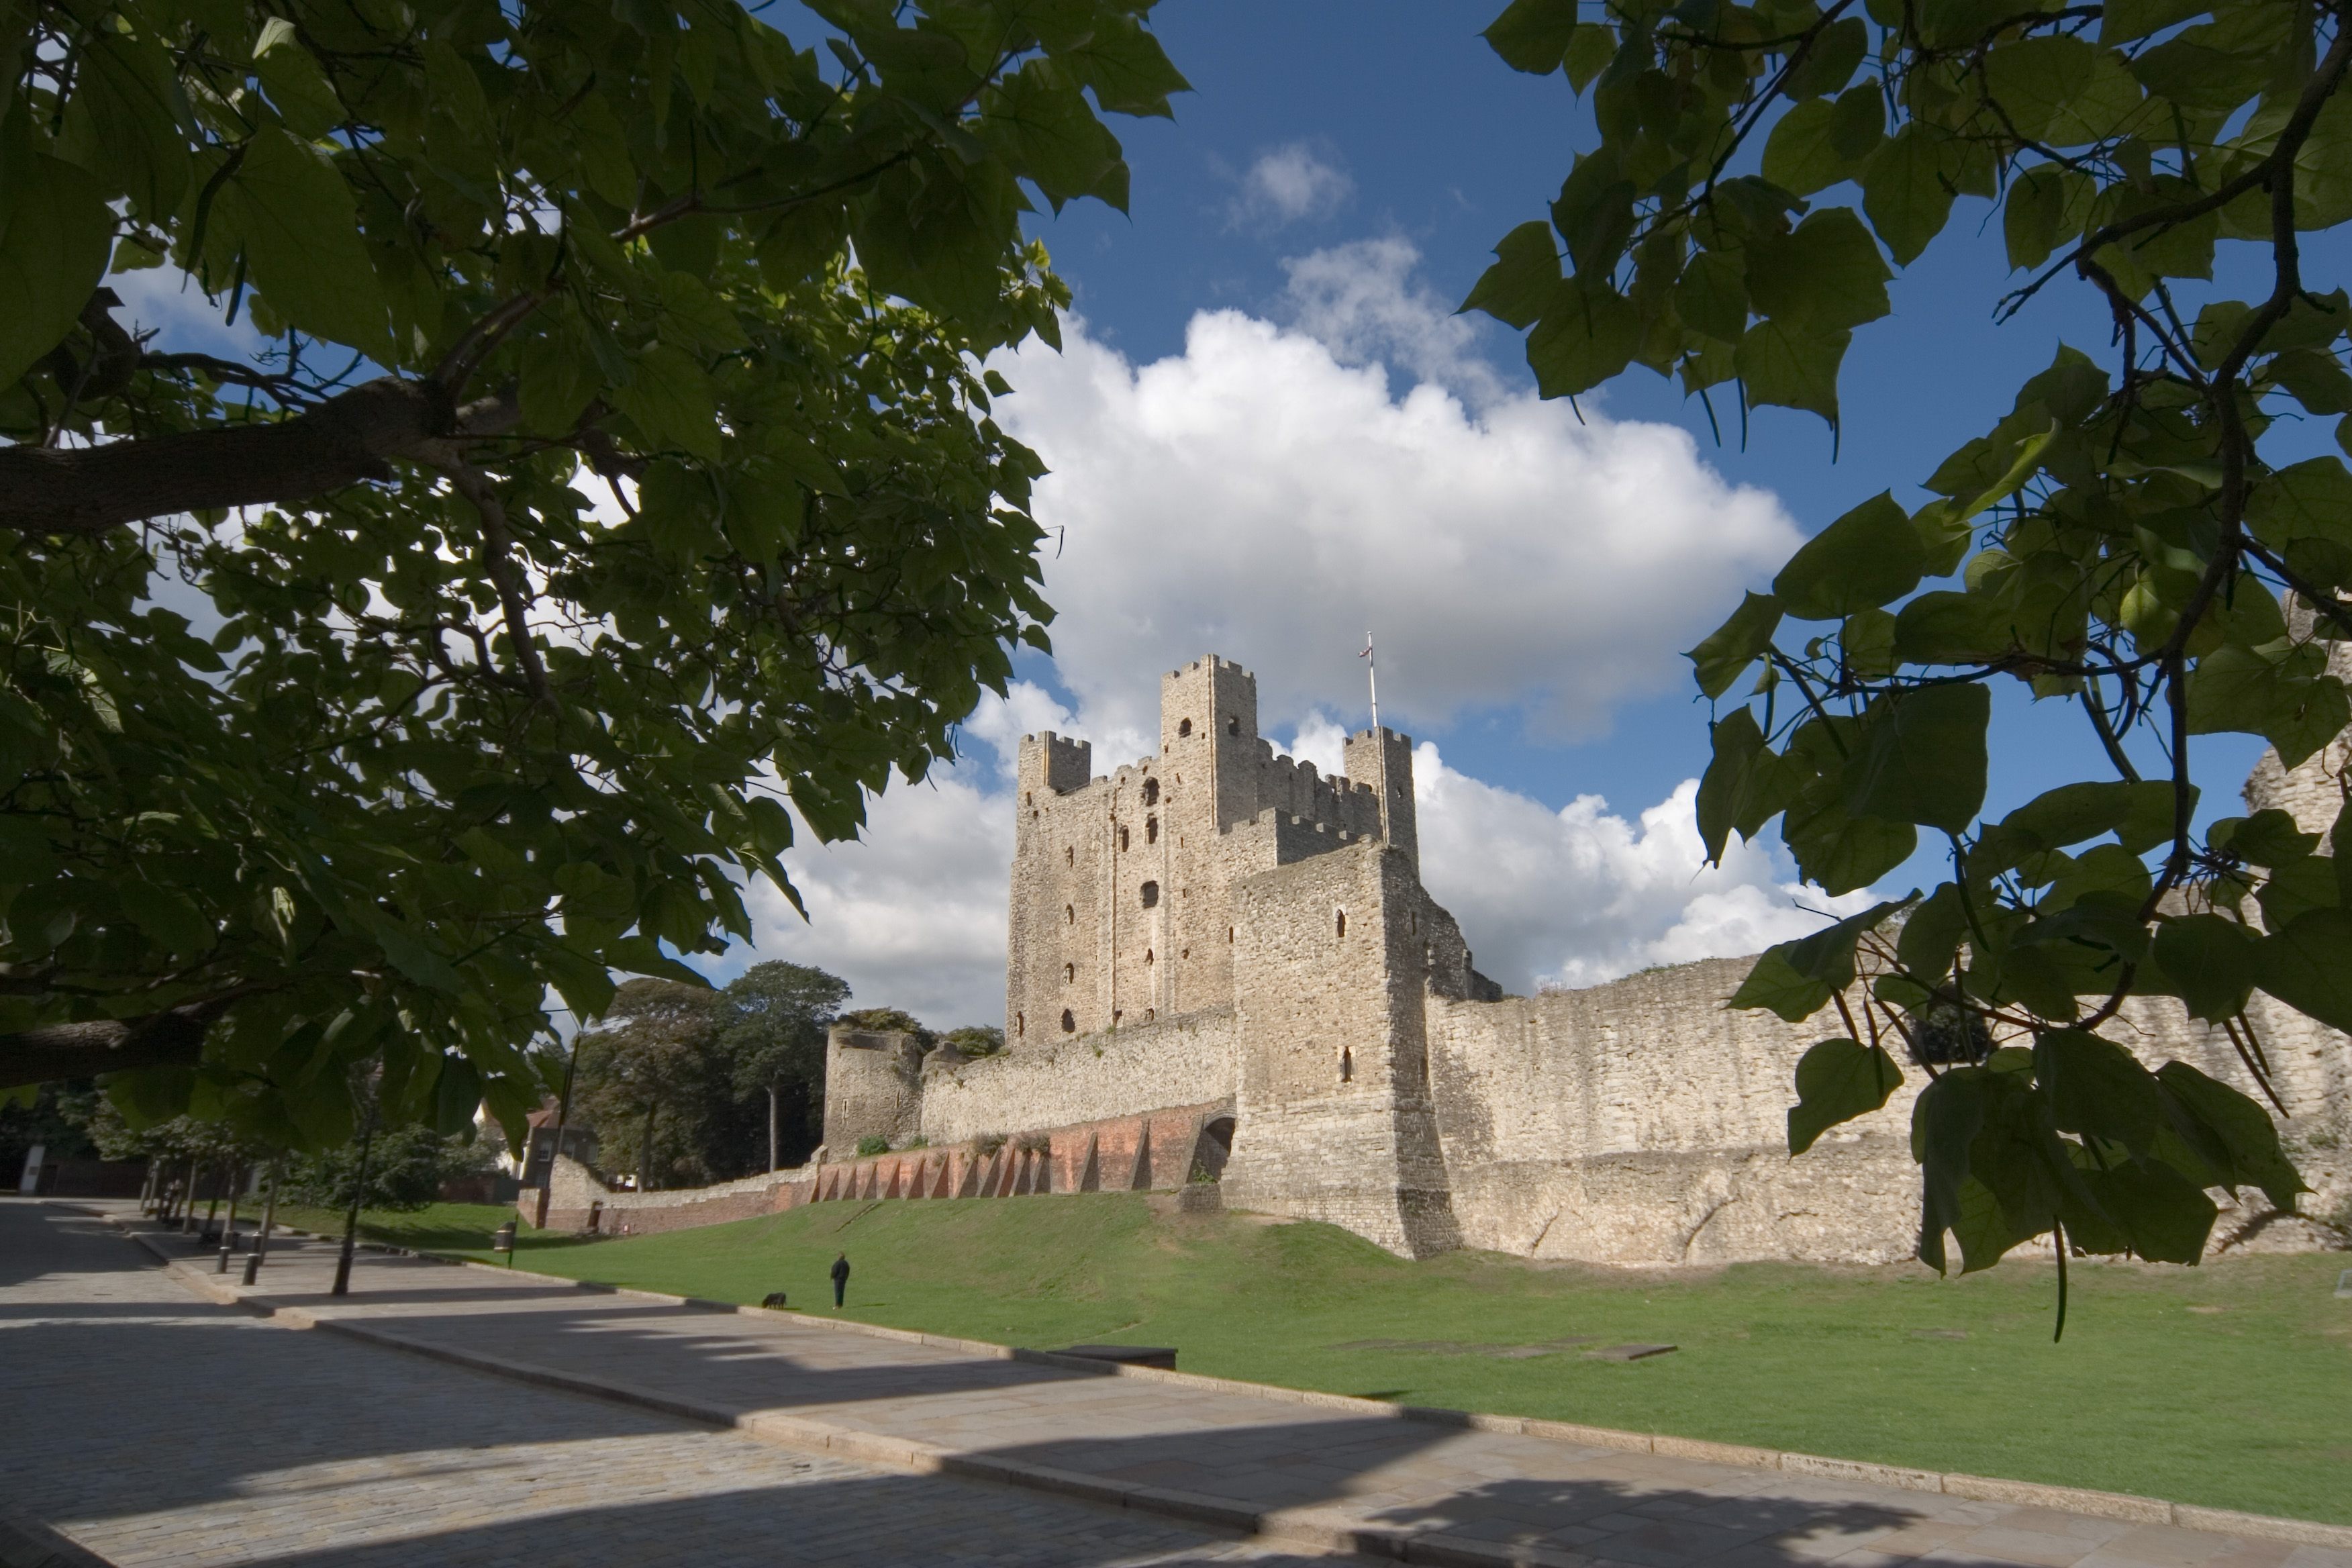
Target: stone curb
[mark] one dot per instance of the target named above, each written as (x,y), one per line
(1324,1528)
(27,1542)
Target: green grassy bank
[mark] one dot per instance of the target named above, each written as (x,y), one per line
(2229,1385)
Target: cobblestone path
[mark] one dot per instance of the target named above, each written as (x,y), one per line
(160,1431)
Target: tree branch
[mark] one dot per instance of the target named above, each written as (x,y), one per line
(89,490)
(175,1038)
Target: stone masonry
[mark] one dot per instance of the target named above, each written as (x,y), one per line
(1224,968)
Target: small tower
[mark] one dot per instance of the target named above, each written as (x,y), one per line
(1383,759)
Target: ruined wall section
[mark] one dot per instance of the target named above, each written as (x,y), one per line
(871,1087)
(1126,1072)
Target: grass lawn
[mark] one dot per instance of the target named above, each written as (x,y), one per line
(2229,1385)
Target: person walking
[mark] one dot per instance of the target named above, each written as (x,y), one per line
(840,1275)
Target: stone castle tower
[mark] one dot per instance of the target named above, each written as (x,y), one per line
(1122,897)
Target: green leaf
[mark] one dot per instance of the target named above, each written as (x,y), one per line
(1796,979)
(56,233)
(1727,652)
(1945,1121)
(2268,838)
(1792,365)
(1711,296)
(1586,336)
(2097,1089)
(2209,961)
(2231,1132)
(294,80)
(2033,216)
(1744,785)
(2308,965)
(1830,64)
(457,1096)
(605,166)
(1945,627)
(2122,21)
(1523,282)
(2310,499)
(1825,274)
(2314,379)
(1871,555)
(122,122)
(1125,67)
(671,399)
(1038,120)
(1841,851)
(1923,757)
(1589,53)
(2164,1216)
(1931,938)
(2034,78)
(1800,155)
(291,210)
(1838,1080)
(1532,35)
(1907,192)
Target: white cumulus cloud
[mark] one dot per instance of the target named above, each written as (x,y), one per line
(1258,497)
(1287,185)
(1267,494)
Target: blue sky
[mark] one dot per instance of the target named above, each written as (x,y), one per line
(1269,430)
(1445,147)
(1392,124)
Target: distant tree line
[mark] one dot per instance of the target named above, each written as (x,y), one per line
(685,1086)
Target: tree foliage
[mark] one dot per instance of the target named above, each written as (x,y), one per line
(2119,542)
(336,723)
(772,1037)
(646,1073)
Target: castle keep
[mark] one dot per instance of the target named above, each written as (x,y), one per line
(1224,975)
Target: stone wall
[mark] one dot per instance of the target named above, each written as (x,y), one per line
(1334,1117)
(1092,1077)
(1643,1121)
(871,1087)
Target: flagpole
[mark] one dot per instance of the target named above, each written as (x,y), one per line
(1380,746)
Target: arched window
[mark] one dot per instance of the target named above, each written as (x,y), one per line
(1150,1014)
(1151,792)
(1069,1024)
(1186,953)
(1069,855)
(1228,936)
(1122,838)
(1151,831)
(1147,958)
(1346,1065)
(1069,974)
(1028,797)
(1340,919)
(1150,895)
(1183,726)
(1069,915)
(1020,1023)
(1232,724)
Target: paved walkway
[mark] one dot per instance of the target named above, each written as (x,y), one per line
(1432,1493)
(159,1431)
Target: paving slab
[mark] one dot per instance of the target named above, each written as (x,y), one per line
(157,1430)
(1431,1489)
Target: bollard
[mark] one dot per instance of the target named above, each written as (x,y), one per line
(503,1240)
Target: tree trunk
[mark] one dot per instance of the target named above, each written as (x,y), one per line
(646,1151)
(772,1129)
